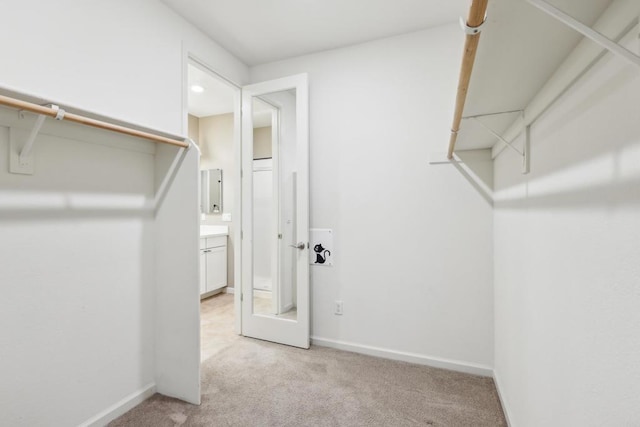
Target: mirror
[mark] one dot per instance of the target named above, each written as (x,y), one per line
(274,216)
(211,191)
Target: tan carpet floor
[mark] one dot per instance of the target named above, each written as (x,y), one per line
(247,382)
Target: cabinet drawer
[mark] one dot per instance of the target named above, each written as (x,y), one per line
(214,242)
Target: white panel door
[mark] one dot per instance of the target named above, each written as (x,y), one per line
(275,302)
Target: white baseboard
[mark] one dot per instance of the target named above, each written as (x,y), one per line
(502,401)
(212,293)
(436,362)
(119,408)
(229,290)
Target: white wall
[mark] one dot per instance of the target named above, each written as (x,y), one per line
(413,241)
(262,142)
(567,276)
(119,58)
(77,277)
(85,319)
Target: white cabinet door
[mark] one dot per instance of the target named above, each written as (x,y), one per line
(216,268)
(203,272)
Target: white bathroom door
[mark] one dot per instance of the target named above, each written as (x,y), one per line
(275,229)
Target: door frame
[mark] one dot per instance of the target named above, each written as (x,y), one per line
(190,57)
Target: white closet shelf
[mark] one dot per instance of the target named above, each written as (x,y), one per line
(59,114)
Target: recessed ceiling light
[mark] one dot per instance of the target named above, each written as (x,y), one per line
(197,88)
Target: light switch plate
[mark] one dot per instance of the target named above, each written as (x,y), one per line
(226,217)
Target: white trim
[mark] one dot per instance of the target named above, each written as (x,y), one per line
(420,359)
(503,402)
(121,407)
(229,290)
(212,293)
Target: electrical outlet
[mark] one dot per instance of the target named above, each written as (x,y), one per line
(226,217)
(339,308)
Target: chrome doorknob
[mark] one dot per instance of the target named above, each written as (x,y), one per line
(300,246)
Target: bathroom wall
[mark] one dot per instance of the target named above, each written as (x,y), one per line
(82,318)
(216,143)
(193,129)
(262,142)
(413,241)
(567,276)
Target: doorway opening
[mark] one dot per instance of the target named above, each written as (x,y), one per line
(213,124)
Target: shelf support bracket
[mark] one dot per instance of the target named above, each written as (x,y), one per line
(524,154)
(21,159)
(586,31)
(28,145)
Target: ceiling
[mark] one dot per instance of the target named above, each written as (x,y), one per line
(259,31)
(520,48)
(217,96)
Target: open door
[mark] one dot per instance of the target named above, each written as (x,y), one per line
(275,211)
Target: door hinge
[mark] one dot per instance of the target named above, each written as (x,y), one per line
(241,235)
(279,236)
(241,297)
(241,174)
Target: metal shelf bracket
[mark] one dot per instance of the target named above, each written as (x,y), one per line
(21,159)
(524,154)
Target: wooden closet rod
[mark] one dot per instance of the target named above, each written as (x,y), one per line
(476,18)
(52,112)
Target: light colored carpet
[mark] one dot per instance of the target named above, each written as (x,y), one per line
(256,383)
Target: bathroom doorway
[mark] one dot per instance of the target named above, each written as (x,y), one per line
(214,125)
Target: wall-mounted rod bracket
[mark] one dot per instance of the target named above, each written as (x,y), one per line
(471,30)
(586,31)
(28,145)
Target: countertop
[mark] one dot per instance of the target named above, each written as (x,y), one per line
(213,230)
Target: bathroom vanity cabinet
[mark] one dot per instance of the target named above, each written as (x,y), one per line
(213,264)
